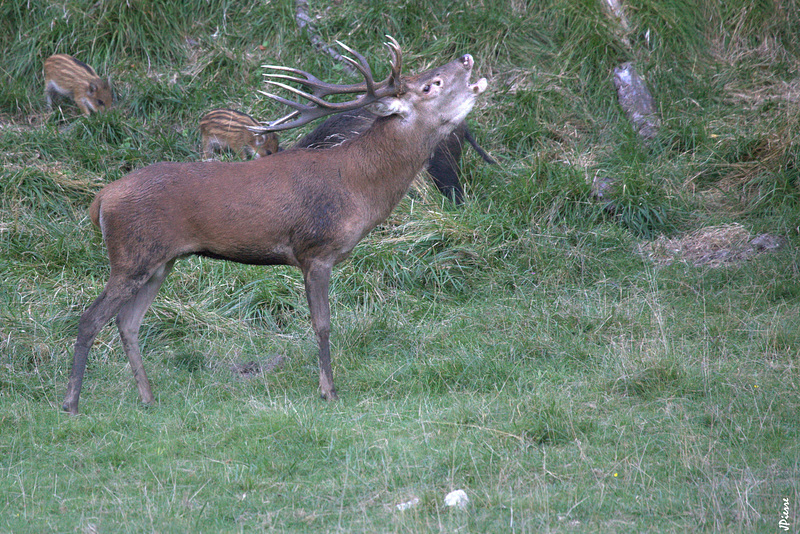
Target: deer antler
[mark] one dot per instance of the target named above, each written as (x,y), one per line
(305,113)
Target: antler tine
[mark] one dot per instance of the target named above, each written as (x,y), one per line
(291,103)
(312,97)
(274,125)
(361,66)
(285,122)
(397,57)
(320,88)
(302,114)
(319,107)
(388,86)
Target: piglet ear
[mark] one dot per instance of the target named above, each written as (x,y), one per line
(389,106)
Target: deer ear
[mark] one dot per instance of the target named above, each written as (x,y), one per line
(389,106)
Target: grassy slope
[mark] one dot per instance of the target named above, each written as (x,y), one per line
(521,347)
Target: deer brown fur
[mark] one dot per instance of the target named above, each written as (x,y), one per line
(443,166)
(306,208)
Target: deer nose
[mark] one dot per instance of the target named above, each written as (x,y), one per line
(467,61)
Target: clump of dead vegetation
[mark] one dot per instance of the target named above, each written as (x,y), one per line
(712,246)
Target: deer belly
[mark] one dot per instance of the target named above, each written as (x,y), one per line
(251,255)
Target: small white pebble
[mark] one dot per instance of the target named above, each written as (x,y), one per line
(457,498)
(408,504)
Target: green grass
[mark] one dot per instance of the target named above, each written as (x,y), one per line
(523,347)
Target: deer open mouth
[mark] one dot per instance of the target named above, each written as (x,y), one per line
(479,86)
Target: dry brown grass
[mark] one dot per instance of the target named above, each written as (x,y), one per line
(712,246)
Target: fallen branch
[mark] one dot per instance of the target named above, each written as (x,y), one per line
(616,12)
(304,22)
(636,100)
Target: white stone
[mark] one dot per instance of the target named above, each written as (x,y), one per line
(457,498)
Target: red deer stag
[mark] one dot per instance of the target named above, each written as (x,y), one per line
(306,208)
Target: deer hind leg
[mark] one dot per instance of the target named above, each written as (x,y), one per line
(129,320)
(317,278)
(118,291)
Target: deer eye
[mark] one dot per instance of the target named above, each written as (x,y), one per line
(427,87)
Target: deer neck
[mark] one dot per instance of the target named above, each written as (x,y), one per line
(387,157)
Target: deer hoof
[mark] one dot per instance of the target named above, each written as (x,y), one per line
(329,396)
(70,408)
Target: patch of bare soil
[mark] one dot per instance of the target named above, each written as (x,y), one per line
(713,246)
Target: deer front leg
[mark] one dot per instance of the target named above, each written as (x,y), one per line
(317,276)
